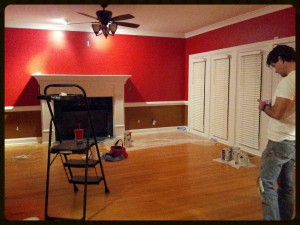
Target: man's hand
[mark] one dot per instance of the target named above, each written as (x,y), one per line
(261,105)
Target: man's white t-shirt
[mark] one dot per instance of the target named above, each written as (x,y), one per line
(279,130)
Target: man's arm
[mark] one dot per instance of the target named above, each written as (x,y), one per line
(280,110)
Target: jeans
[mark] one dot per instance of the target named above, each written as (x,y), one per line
(277,163)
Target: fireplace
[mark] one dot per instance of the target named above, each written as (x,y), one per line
(72,114)
(95,86)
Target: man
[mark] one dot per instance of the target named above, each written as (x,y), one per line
(278,158)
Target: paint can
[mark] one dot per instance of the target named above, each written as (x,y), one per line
(243,159)
(235,154)
(128,139)
(223,154)
(226,154)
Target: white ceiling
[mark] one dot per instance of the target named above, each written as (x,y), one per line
(156,20)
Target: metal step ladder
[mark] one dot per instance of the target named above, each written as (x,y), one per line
(66,148)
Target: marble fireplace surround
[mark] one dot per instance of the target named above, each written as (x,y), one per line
(95,86)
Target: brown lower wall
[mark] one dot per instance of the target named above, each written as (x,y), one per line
(165,116)
(22,124)
(28,124)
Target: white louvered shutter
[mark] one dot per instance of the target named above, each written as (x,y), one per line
(249,92)
(198,98)
(220,97)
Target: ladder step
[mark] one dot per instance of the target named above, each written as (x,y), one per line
(90,179)
(71,147)
(80,163)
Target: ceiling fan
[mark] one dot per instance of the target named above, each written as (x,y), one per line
(106,24)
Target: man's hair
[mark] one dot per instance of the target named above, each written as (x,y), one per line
(286,53)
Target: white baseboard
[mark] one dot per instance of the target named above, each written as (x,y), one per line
(35,140)
(154,130)
(160,103)
(20,141)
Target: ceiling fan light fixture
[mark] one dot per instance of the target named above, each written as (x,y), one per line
(96,28)
(105,31)
(106,24)
(113,28)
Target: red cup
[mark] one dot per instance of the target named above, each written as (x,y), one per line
(78,135)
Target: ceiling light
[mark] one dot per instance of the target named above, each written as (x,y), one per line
(61,21)
(109,29)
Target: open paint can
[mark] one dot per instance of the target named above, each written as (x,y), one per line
(226,154)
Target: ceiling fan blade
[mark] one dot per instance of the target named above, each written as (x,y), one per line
(124,24)
(122,17)
(84,14)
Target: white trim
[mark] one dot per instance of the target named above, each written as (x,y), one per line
(108,79)
(22,108)
(21,141)
(128,104)
(238,19)
(161,103)
(154,130)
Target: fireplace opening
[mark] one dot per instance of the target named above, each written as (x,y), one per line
(72,114)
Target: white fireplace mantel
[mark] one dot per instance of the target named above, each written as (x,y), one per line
(94,86)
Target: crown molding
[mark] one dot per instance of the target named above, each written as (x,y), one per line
(237,19)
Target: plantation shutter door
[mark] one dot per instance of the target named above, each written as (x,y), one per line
(250,91)
(198,98)
(220,97)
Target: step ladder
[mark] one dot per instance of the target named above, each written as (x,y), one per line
(65,148)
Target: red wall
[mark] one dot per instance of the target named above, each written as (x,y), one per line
(156,64)
(278,24)
(159,66)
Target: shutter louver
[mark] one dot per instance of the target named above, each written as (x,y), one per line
(250,91)
(220,97)
(198,98)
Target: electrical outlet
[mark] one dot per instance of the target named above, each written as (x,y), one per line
(153,122)
(17,128)
(139,121)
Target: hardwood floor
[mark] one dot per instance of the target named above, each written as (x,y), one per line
(179,182)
